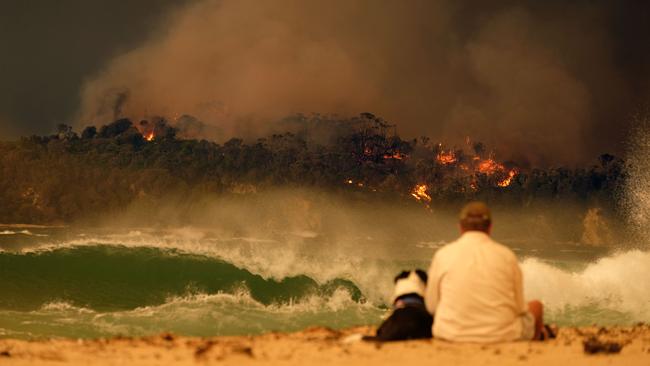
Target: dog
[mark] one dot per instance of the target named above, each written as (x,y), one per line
(410,318)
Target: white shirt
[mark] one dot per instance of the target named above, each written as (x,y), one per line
(475,291)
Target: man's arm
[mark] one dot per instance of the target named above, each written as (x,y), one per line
(431,295)
(519,288)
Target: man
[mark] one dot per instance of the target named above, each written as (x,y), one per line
(475,287)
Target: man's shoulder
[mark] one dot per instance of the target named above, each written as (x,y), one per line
(465,243)
(503,250)
(447,248)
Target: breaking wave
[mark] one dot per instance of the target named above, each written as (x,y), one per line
(613,290)
(109,278)
(191,315)
(21,232)
(190,283)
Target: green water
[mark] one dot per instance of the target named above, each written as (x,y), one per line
(112,278)
(69,283)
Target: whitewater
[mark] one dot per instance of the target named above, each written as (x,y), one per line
(291,259)
(66,282)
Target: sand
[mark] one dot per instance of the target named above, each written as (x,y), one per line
(321,346)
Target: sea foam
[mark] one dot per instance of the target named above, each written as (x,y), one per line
(619,283)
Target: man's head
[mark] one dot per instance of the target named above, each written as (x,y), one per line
(475,216)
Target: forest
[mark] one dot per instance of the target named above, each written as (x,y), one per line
(67,176)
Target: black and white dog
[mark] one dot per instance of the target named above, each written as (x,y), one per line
(410,318)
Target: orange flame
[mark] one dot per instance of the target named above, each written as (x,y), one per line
(396,155)
(419,192)
(350,181)
(446,158)
(506,182)
(149,136)
(490,167)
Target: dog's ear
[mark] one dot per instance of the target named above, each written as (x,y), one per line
(403,274)
(423,275)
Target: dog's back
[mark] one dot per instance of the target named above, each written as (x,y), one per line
(409,322)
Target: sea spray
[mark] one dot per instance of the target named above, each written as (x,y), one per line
(613,290)
(637,190)
(80,282)
(192,315)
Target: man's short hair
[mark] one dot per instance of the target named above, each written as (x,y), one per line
(475,216)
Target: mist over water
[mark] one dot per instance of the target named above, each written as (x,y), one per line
(637,197)
(287,260)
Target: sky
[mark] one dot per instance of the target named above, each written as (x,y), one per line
(49,48)
(544,82)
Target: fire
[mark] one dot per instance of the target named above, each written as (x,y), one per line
(358,184)
(489,167)
(419,192)
(478,170)
(446,158)
(473,185)
(149,136)
(506,182)
(396,155)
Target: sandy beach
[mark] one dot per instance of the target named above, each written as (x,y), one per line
(322,346)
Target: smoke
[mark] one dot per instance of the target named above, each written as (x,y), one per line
(637,199)
(6,130)
(527,79)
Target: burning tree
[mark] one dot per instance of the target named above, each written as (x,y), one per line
(67,176)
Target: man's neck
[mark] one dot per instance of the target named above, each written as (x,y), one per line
(474,232)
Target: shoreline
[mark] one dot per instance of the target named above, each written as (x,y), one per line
(32,226)
(321,346)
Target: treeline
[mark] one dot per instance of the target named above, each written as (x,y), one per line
(68,176)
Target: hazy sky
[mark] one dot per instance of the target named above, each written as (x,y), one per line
(547,81)
(48,48)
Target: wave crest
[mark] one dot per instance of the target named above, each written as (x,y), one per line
(192,315)
(611,286)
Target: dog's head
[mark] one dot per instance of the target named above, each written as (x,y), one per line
(410,283)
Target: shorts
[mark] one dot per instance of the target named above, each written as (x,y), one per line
(527,326)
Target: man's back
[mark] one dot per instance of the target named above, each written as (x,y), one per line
(475,290)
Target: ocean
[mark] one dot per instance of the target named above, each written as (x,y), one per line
(101,282)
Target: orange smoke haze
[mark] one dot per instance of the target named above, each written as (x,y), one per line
(509,77)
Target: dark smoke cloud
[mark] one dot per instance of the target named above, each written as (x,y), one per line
(48,48)
(539,82)
(548,81)
(6,128)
